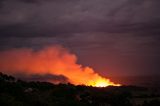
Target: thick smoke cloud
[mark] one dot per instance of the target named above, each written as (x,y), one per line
(51,60)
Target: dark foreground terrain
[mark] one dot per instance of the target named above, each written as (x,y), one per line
(15,92)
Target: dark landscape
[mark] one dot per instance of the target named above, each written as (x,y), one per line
(15,92)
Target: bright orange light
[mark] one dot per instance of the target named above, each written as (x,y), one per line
(102,82)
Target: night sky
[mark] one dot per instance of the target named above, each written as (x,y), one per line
(115,37)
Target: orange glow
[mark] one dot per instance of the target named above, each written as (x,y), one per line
(50,60)
(102,82)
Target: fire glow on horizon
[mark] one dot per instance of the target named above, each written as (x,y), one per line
(50,60)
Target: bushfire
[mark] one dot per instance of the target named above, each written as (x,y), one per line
(54,60)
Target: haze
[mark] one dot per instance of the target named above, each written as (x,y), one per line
(114,37)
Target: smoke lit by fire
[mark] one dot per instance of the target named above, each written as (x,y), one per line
(53,60)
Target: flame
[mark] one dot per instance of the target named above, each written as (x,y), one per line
(102,82)
(54,60)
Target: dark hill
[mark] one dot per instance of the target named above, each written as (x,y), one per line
(15,92)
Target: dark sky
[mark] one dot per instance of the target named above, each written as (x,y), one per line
(115,37)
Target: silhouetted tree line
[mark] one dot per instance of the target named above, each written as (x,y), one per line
(15,92)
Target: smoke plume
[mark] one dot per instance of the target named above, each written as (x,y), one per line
(54,60)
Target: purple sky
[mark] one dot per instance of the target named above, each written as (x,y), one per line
(115,37)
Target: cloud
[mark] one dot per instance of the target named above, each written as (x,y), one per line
(29,18)
(100,27)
